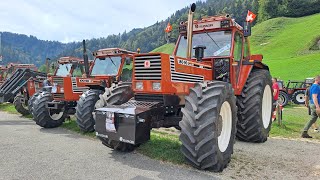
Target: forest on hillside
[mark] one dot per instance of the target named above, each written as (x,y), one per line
(29,49)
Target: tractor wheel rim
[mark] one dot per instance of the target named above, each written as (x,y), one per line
(281,99)
(226,126)
(55,116)
(300,98)
(266,106)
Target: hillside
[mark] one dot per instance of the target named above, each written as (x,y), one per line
(289,46)
(287,43)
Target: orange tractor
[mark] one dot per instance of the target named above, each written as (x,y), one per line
(215,93)
(113,66)
(51,109)
(52,106)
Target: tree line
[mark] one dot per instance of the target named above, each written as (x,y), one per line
(29,49)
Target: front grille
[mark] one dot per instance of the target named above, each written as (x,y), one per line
(149,97)
(58,80)
(58,96)
(148,73)
(36,86)
(143,104)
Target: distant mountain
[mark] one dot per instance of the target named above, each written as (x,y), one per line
(29,49)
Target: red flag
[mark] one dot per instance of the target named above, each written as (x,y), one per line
(250,16)
(168,28)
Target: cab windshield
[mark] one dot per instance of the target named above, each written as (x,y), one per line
(63,69)
(217,44)
(106,66)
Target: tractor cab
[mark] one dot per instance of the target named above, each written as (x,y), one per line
(112,62)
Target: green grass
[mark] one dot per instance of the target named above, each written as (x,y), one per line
(164,147)
(294,119)
(285,44)
(167,48)
(8,108)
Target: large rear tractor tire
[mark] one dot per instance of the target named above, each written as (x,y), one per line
(118,95)
(31,101)
(283,98)
(298,97)
(45,117)
(208,125)
(255,107)
(21,107)
(88,102)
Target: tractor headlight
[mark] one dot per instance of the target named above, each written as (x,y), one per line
(139,85)
(156,86)
(62,90)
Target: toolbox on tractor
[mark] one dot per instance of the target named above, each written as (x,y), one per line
(213,94)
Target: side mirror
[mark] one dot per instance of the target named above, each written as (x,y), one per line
(128,61)
(199,52)
(246,29)
(53,66)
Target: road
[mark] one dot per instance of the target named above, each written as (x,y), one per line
(30,152)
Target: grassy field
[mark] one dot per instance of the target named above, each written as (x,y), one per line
(167,48)
(165,146)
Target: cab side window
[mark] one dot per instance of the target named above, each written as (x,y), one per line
(246,52)
(237,47)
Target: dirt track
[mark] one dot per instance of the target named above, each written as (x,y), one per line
(275,159)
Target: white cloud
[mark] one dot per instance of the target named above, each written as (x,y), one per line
(73,20)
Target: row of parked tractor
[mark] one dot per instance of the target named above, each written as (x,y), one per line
(293,91)
(211,88)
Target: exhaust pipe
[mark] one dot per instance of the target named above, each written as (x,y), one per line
(190,30)
(85,58)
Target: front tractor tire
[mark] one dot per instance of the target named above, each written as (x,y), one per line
(208,126)
(88,102)
(31,101)
(44,117)
(118,95)
(255,107)
(283,98)
(21,107)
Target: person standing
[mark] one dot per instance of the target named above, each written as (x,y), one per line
(314,100)
(276,91)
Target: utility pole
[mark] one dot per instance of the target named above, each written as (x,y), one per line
(0,49)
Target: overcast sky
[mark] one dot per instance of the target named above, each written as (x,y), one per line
(74,20)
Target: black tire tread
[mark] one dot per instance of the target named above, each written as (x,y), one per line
(250,127)
(19,107)
(41,115)
(199,125)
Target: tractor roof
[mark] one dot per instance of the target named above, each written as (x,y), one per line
(111,52)
(211,22)
(69,59)
(20,65)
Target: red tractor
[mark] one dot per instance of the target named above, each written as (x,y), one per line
(111,66)
(51,107)
(3,72)
(214,94)
(15,77)
(293,91)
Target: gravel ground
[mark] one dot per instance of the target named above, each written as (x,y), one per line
(29,152)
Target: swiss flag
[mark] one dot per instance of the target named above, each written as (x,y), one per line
(168,28)
(250,16)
